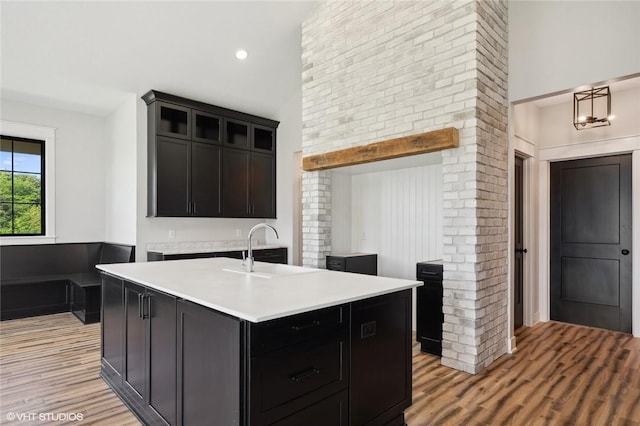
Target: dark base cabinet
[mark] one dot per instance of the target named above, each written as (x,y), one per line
(139,348)
(176,362)
(429,315)
(380,388)
(209,365)
(275,255)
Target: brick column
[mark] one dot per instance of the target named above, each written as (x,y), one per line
(316,218)
(475,210)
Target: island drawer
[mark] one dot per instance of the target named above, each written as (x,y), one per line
(284,381)
(289,331)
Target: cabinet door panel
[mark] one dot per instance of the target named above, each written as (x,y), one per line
(264,139)
(206,127)
(161,310)
(235,178)
(135,354)
(209,373)
(112,322)
(172,170)
(263,186)
(380,342)
(236,133)
(173,120)
(330,411)
(205,179)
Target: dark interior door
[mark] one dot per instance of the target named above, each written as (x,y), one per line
(519,249)
(591,242)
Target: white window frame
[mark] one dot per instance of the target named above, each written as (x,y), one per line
(48,134)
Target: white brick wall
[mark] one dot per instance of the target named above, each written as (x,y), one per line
(375,70)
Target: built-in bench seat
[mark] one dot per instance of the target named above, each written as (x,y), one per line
(52,278)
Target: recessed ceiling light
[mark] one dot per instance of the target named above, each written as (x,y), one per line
(242,54)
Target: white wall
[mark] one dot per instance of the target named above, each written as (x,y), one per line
(398,215)
(560,45)
(341,205)
(80,168)
(120,174)
(289,142)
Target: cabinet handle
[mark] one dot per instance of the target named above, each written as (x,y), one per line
(195,208)
(139,305)
(305,326)
(188,207)
(146,313)
(429,273)
(305,374)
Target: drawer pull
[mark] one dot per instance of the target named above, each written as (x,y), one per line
(433,274)
(305,326)
(305,374)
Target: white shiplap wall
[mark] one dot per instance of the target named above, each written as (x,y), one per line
(396,214)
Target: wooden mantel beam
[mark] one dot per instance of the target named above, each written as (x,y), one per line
(436,140)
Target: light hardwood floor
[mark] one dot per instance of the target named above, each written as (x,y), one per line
(561,375)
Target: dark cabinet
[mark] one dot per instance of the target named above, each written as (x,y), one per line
(173,162)
(235,179)
(209,360)
(187,179)
(135,336)
(172,120)
(112,325)
(208,161)
(262,188)
(249,184)
(330,411)
(186,364)
(206,127)
(297,362)
(429,315)
(236,133)
(148,348)
(274,255)
(205,180)
(380,388)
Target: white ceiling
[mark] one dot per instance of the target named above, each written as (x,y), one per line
(89,56)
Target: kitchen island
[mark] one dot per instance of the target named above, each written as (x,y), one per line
(201,341)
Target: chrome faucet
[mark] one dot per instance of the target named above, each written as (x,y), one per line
(247,262)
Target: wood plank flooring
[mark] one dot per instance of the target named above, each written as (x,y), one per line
(50,364)
(561,375)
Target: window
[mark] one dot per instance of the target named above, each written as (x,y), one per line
(22,186)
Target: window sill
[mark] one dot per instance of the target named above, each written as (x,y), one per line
(39,239)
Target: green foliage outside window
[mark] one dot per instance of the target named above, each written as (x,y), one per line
(21,192)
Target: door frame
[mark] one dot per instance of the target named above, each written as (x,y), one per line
(573,152)
(527,151)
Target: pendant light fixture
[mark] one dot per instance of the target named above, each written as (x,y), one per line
(592,108)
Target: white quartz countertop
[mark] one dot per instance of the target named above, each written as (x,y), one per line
(271,291)
(206,247)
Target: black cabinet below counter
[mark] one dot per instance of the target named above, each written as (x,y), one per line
(176,362)
(273,255)
(429,315)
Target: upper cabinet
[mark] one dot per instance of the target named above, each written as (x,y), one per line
(208,161)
